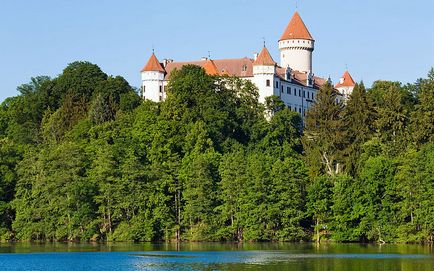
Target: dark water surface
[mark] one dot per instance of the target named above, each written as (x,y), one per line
(210,257)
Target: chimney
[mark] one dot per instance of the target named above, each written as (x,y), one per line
(255,56)
(167,61)
(204,58)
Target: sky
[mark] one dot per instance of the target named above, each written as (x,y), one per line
(375,39)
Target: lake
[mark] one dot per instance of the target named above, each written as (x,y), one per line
(212,256)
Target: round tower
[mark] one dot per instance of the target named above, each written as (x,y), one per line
(264,70)
(296,46)
(153,80)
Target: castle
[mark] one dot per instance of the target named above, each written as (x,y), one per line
(293,80)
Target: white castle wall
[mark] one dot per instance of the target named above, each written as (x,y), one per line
(297,54)
(153,86)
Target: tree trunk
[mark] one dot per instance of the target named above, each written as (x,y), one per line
(318,237)
(178,215)
(328,164)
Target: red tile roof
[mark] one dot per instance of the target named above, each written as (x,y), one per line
(153,65)
(296,29)
(347,82)
(264,58)
(300,78)
(211,68)
(243,67)
(240,67)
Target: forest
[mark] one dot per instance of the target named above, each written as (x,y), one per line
(84,158)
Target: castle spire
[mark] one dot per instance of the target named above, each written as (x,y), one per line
(153,64)
(264,58)
(296,29)
(346,81)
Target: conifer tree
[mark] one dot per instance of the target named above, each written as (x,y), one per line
(392,121)
(422,118)
(323,135)
(358,120)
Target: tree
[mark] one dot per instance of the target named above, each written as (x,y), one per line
(377,200)
(422,118)
(287,195)
(78,81)
(358,121)
(54,201)
(392,121)
(323,138)
(319,203)
(232,194)
(199,175)
(273,104)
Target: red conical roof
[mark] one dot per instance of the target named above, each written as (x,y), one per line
(210,67)
(153,65)
(264,58)
(347,82)
(296,29)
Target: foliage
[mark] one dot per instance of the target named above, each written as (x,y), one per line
(83,158)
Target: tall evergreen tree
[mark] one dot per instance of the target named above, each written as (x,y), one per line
(422,118)
(358,122)
(323,138)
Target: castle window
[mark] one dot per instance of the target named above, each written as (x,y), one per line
(282,88)
(304,94)
(299,92)
(290,108)
(299,110)
(161,89)
(277,84)
(288,90)
(267,83)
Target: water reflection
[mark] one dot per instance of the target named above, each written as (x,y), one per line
(212,256)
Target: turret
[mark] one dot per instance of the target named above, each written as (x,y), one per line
(296,46)
(153,80)
(346,85)
(264,69)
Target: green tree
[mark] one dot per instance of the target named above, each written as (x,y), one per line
(358,118)
(323,138)
(319,203)
(422,118)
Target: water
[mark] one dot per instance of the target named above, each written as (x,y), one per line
(210,257)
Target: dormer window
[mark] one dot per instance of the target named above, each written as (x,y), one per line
(244,69)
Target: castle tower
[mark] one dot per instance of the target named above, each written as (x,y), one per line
(346,85)
(296,46)
(153,80)
(264,69)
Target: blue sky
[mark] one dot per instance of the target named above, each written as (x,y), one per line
(391,40)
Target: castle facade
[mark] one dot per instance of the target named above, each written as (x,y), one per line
(292,79)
